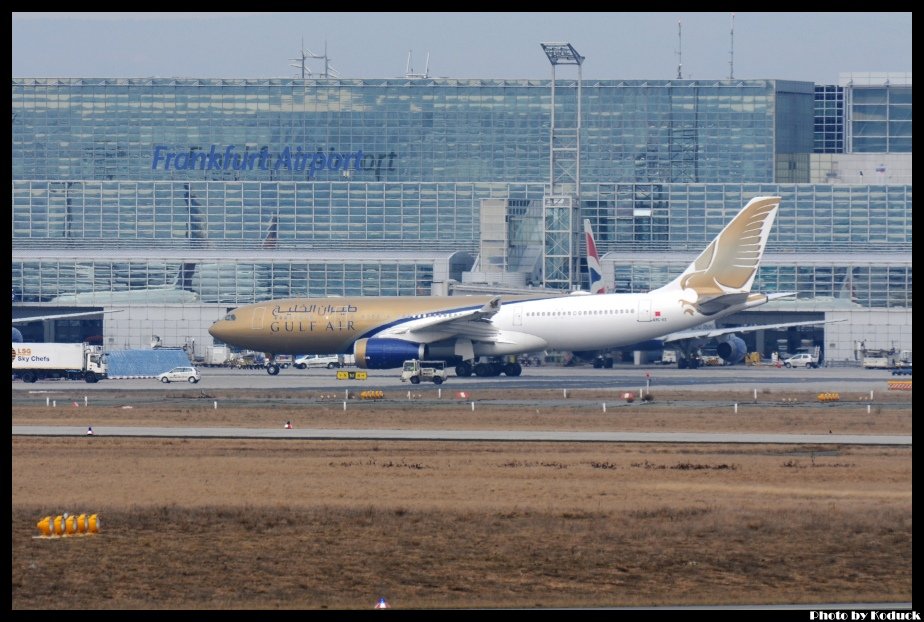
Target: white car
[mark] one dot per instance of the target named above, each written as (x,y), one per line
(801,360)
(315,361)
(180,374)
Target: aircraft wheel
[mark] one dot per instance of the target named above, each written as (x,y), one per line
(482,370)
(272,369)
(608,363)
(513,369)
(598,364)
(464,370)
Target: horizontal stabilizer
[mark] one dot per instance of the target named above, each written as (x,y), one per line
(712,332)
(721,303)
(779,295)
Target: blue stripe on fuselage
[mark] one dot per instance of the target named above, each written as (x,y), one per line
(368,334)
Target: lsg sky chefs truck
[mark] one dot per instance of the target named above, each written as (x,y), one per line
(34,361)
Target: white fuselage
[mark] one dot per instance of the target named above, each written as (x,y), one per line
(591,322)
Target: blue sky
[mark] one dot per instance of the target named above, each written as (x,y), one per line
(815,47)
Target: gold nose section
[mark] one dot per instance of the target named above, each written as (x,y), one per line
(220,329)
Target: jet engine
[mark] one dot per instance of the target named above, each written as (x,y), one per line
(386,353)
(732,349)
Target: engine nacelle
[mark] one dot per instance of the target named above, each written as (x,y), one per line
(386,353)
(732,349)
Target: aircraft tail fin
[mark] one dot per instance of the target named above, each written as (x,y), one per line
(729,264)
(848,290)
(272,233)
(184,277)
(594,269)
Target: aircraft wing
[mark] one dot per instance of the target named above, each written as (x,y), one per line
(473,324)
(707,333)
(59,316)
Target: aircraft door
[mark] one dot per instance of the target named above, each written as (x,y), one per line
(518,317)
(256,320)
(644,310)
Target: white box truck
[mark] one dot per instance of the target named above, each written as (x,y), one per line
(34,361)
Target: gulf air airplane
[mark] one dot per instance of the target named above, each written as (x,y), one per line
(479,333)
(729,346)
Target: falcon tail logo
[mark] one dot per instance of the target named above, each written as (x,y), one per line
(729,264)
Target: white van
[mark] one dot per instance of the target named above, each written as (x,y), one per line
(315,361)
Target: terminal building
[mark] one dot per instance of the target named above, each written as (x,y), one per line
(166,202)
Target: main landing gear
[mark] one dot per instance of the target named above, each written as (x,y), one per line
(488,369)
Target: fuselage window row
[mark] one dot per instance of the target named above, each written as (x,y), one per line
(560,313)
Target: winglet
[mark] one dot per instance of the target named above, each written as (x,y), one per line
(490,308)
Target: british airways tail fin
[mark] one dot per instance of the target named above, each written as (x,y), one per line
(594,269)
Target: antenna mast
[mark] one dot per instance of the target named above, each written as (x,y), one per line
(679,53)
(731,56)
(305,54)
(409,71)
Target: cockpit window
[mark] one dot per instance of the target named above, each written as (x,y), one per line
(230,317)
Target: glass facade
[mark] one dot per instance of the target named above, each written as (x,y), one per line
(880,119)
(829,119)
(399,130)
(226,192)
(878,112)
(173,214)
(852,220)
(66,280)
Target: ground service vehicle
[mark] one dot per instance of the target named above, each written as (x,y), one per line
(180,374)
(34,361)
(903,364)
(669,357)
(429,371)
(217,356)
(879,359)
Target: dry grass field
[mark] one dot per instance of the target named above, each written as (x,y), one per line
(297,524)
